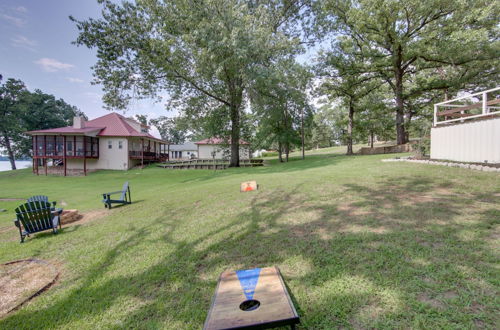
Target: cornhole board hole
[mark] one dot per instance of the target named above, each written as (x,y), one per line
(248,186)
(251,299)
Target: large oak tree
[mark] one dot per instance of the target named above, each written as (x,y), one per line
(203,53)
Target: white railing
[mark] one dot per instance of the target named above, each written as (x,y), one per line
(460,110)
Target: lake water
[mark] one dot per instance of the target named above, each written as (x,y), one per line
(5,164)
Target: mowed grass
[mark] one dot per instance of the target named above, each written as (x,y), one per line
(360,243)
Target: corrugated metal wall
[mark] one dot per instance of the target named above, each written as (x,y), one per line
(473,141)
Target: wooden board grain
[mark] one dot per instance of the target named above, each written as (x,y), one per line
(276,307)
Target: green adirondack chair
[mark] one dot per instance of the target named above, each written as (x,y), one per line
(42,198)
(34,217)
(124,197)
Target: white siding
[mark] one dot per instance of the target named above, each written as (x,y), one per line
(205,152)
(474,141)
(109,159)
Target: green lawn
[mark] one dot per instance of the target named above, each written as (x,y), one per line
(360,243)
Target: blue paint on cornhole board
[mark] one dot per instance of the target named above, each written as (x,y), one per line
(248,279)
(266,286)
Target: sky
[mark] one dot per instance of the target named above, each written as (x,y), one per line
(35,47)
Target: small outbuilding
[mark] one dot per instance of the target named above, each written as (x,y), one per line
(185,151)
(220,149)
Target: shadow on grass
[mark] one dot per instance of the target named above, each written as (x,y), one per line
(400,253)
(273,166)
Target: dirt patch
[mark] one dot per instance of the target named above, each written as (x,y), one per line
(423,297)
(93,215)
(22,280)
(450,295)
(352,210)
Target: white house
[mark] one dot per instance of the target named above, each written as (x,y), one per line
(221,149)
(186,151)
(110,142)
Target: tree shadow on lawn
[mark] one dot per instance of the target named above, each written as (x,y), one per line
(397,254)
(274,166)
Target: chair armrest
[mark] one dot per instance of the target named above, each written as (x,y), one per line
(16,222)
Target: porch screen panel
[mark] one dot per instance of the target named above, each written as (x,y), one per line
(59,146)
(88,146)
(79,146)
(39,145)
(95,147)
(70,148)
(50,148)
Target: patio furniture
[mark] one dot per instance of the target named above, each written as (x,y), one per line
(123,199)
(43,198)
(34,217)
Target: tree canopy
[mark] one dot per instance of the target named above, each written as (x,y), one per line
(205,54)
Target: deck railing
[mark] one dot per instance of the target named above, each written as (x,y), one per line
(458,110)
(137,154)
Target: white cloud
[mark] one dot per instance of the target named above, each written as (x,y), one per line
(52,65)
(23,42)
(75,80)
(21,9)
(19,22)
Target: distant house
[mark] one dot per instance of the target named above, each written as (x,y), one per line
(188,150)
(110,142)
(221,149)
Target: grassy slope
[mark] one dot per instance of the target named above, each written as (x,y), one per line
(361,243)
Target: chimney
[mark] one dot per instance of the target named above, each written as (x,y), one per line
(78,122)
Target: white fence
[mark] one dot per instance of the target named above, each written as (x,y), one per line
(459,110)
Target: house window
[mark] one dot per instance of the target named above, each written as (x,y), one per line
(110,144)
(120,144)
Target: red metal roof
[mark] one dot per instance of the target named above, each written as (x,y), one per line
(218,141)
(112,124)
(67,130)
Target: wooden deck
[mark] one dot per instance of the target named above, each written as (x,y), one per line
(207,164)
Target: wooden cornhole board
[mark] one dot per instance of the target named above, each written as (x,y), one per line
(248,186)
(262,284)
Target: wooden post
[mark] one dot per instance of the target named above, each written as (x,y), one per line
(64,153)
(45,152)
(84,155)
(142,153)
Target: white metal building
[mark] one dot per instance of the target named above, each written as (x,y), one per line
(218,148)
(467,129)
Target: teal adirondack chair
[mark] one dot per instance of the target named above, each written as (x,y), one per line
(42,198)
(124,197)
(34,217)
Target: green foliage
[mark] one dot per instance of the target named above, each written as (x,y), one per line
(173,130)
(205,54)
(269,153)
(280,105)
(22,110)
(417,47)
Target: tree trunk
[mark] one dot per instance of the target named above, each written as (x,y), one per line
(400,110)
(302,133)
(10,153)
(280,156)
(287,150)
(350,126)
(235,136)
